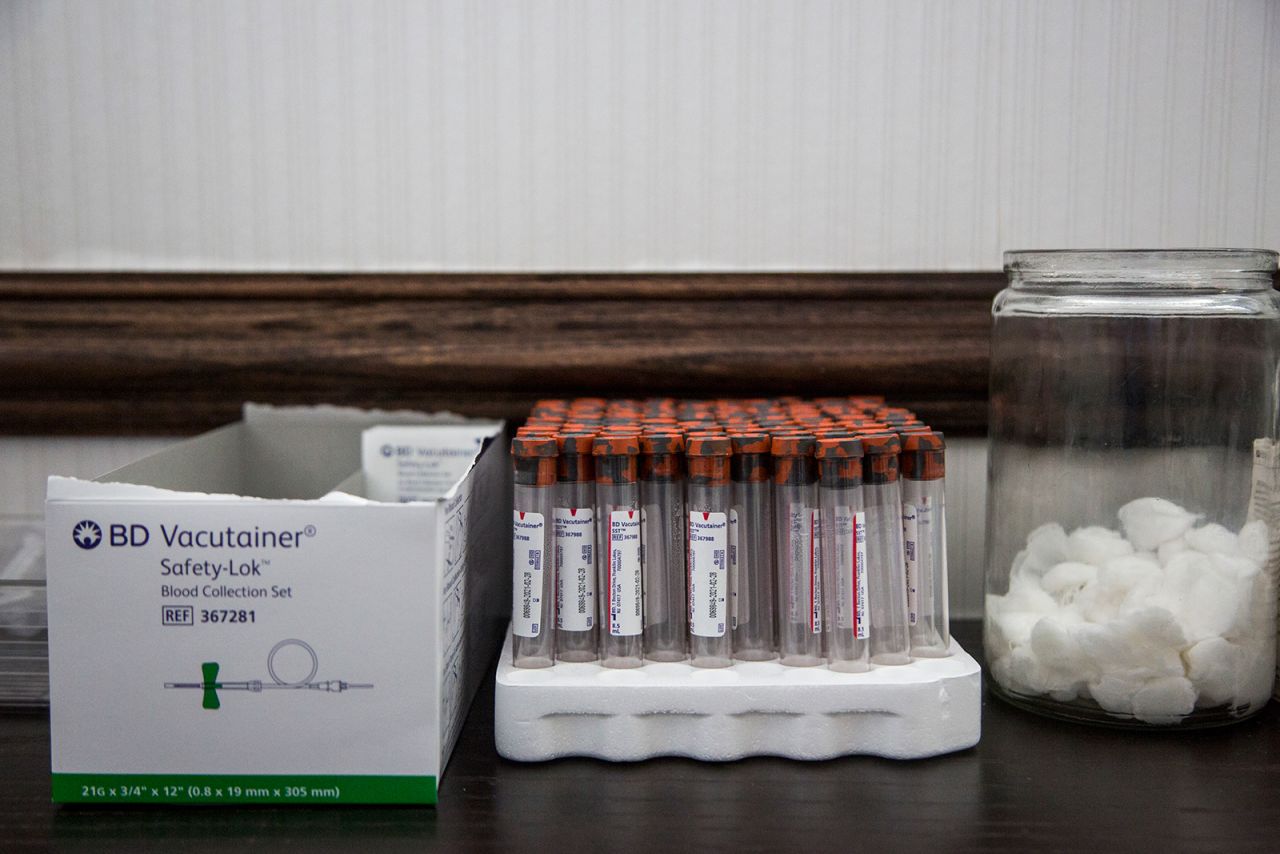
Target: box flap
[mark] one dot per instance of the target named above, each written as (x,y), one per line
(298,453)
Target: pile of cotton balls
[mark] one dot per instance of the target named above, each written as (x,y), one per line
(1149,624)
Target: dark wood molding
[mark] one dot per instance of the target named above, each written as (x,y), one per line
(178,353)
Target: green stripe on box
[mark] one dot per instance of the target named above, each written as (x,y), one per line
(242,789)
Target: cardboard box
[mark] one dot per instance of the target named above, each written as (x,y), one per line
(232,621)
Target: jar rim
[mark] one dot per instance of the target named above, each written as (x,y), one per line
(1139,265)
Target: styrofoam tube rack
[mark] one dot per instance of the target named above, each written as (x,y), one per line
(929,707)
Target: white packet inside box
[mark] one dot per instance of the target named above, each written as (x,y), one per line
(253,616)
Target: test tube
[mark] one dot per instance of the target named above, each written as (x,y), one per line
(575,548)
(663,528)
(886,574)
(844,553)
(618,532)
(533,577)
(751,548)
(710,636)
(924,531)
(796,520)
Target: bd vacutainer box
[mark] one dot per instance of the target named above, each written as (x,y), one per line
(295,608)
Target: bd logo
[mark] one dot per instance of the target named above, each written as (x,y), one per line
(87,534)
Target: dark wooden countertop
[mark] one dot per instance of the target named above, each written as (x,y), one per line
(1031,784)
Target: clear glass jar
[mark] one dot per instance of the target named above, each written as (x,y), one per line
(1129,574)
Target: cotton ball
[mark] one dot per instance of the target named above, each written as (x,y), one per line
(1046,546)
(1061,685)
(1120,575)
(1256,673)
(1145,644)
(1169,589)
(997,643)
(1235,567)
(1164,701)
(1183,569)
(1148,522)
(1117,578)
(1097,603)
(1213,539)
(1167,551)
(1067,579)
(1056,648)
(993,604)
(1157,628)
(1255,617)
(1212,666)
(1010,630)
(1025,594)
(1212,607)
(1181,575)
(1000,670)
(1069,616)
(1102,645)
(1019,565)
(1096,545)
(1258,625)
(1023,673)
(1217,598)
(1150,593)
(1254,541)
(1114,693)
(1028,673)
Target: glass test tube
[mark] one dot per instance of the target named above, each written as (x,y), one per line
(619,578)
(710,636)
(844,553)
(575,548)
(533,576)
(663,524)
(798,539)
(924,531)
(886,572)
(751,548)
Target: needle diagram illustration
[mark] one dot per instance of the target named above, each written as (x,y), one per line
(211,685)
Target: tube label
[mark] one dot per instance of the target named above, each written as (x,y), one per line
(650,551)
(804,588)
(625,592)
(916,519)
(815,571)
(575,568)
(708,573)
(527,560)
(735,579)
(851,571)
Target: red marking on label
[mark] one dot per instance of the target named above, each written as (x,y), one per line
(521,515)
(573,511)
(630,513)
(705,515)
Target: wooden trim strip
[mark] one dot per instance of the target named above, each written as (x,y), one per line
(451,286)
(164,354)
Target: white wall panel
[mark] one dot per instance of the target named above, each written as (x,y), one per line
(883,134)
